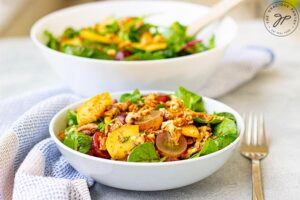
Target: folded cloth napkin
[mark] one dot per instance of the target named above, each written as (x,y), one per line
(31,167)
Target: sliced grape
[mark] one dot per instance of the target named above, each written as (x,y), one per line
(152,121)
(167,147)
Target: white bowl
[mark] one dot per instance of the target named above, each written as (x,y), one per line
(146,176)
(87,76)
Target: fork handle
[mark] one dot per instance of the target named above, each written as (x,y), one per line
(257,191)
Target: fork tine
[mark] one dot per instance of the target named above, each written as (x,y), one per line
(245,136)
(255,130)
(244,141)
(250,128)
(262,131)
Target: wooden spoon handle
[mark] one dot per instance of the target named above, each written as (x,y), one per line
(216,12)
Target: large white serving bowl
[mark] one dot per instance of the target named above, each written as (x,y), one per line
(146,176)
(87,76)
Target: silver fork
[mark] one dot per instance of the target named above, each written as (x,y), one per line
(254,147)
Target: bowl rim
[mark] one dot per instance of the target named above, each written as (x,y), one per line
(145,164)
(38,43)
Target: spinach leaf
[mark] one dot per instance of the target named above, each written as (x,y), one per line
(224,140)
(78,141)
(135,97)
(70,33)
(176,36)
(112,27)
(226,132)
(144,153)
(162,105)
(71,140)
(226,115)
(72,118)
(226,127)
(52,42)
(85,52)
(84,142)
(209,146)
(215,120)
(146,56)
(190,99)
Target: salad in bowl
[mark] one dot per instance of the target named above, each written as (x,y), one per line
(155,127)
(129,39)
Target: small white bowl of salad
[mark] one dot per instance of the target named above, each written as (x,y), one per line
(125,43)
(147,140)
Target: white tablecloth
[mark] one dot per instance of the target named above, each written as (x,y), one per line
(274,92)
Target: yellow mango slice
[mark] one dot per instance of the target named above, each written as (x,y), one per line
(74,41)
(190,131)
(90,35)
(121,141)
(94,108)
(150,47)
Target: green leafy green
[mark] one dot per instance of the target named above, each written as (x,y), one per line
(72,118)
(78,141)
(112,27)
(144,153)
(162,105)
(176,37)
(224,140)
(71,141)
(85,52)
(226,127)
(209,146)
(226,132)
(190,99)
(52,42)
(135,97)
(226,115)
(145,56)
(84,142)
(101,125)
(70,33)
(202,121)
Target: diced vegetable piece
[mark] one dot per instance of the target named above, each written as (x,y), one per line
(190,131)
(152,121)
(94,108)
(121,141)
(167,147)
(162,98)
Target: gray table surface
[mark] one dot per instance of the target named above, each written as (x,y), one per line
(275,92)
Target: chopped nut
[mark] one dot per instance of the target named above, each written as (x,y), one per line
(88,129)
